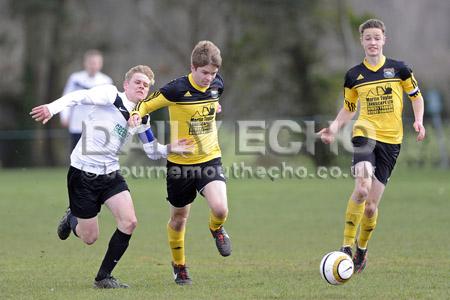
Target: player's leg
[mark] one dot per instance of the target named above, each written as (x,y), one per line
(363,161)
(368,224)
(369,219)
(176,229)
(355,207)
(87,230)
(181,193)
(84,228)
(121,206)
(81,216)
(216,196)
(116,196)
(386,157)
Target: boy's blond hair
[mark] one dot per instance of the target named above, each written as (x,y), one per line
(141,69)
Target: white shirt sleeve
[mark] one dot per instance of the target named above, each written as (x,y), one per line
(64,115)
(155,150)
(100,95)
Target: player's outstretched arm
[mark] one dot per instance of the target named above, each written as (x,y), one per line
(41,113)
(100,95)
(418,108)
(181,147)
(155,150)
(327,135)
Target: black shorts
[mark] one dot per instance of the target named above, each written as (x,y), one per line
(382,156)
(184,181)
(88,191)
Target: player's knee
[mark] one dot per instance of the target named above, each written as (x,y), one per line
(361,192)
(221,213)
(89,238)
(178,222)
(370,209)
(129,225)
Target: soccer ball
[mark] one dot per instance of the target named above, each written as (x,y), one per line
(336,268)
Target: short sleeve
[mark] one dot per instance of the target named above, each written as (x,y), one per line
(350,94)
(409,82)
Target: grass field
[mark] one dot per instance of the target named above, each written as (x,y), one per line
(280,231)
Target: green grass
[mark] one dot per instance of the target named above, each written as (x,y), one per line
(280,231)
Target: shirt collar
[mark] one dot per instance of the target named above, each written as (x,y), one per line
(129,105)
(377,67)
(196,86)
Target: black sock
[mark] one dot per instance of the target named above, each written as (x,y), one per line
(116,248)
(73,223)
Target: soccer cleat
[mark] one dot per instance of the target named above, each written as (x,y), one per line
(347,250)
(223,241)
(181,275)
(64,226)
(360,259)
(110,283)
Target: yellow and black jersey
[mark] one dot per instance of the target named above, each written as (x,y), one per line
(379,90)
(192,112)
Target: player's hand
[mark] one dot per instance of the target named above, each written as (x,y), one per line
(181,147)
(134,120)
(219,108)
(41,114)
(326,135)
(418,127)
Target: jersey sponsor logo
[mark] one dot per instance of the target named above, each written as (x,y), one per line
(389,72)
(188,94)
(379,100)
(120,131)
(202,121)
(214,93)
(360,77)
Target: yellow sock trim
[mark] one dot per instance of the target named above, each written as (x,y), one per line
(176,243)
(353,217)
(215,222)
(367,227)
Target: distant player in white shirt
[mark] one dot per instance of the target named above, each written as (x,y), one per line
(94,177)
(73,117)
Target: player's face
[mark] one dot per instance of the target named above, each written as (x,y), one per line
(137,87)
(203,76)
(93,64)
(373,40)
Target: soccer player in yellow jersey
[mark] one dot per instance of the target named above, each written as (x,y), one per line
(192,101)
(378,83)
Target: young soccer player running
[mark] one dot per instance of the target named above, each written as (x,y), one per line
(378,83)
(192,101)
(94,178)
